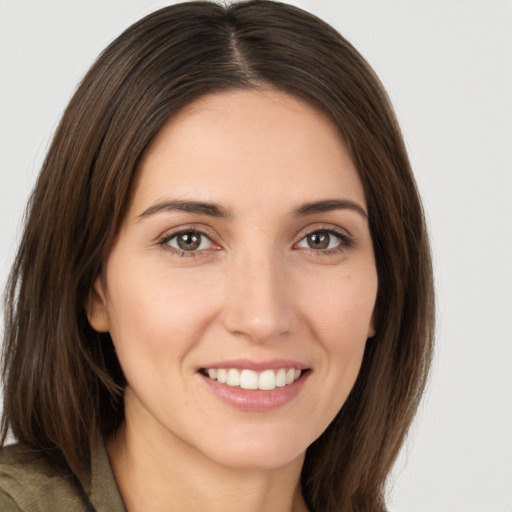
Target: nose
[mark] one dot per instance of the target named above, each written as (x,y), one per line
(257,304)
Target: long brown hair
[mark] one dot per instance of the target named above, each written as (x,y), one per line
(63,385)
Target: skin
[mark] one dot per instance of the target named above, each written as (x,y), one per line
(257,288)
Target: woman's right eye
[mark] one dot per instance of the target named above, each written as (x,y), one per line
(188,241)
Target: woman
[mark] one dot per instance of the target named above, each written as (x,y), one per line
(223,295)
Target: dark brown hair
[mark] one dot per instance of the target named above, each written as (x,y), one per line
(62,381)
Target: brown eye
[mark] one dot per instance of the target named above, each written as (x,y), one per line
(320,240)
(190,241)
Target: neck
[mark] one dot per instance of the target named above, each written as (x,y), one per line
(168,475)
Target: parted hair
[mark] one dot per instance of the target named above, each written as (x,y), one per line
(63,385)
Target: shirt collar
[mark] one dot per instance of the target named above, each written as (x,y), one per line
(104,493)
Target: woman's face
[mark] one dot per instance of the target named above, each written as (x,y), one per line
(245,255)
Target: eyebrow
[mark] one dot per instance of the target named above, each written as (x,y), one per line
(216,210)
(199,207)
(330,205)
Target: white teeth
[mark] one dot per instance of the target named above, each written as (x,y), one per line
(249,379)
(267,380)
(281,378)
(233,378)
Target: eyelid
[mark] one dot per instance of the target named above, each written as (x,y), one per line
(346,239)
(203,240)
(323,226)
(163,239)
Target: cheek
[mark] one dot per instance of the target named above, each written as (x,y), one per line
(341,308)
(156,313)
(340,315)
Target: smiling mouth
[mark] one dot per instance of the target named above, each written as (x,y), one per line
(266,380)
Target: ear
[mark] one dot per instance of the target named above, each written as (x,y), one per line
(96,307)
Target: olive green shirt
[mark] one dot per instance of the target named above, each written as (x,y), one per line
(28,483)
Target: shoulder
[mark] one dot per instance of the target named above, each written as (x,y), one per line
(29,483)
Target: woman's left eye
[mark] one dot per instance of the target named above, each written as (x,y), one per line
(322,240)
(189,241)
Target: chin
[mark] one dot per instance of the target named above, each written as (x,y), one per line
(259,451)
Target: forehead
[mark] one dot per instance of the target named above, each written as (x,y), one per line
(255,146)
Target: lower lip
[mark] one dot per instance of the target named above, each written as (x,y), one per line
(255,400)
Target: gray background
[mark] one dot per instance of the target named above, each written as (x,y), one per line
(447,65)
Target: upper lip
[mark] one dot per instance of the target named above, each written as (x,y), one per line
(251,364)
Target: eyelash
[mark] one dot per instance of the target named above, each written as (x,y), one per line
(345,242)
(164,243)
